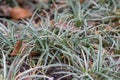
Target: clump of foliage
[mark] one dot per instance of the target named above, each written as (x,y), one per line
(60,50)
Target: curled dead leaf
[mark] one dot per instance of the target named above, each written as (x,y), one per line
(17,48)
(18,13)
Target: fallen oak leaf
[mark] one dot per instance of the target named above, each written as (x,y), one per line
(19,13)
(17,48)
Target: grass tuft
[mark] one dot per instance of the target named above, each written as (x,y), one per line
(84,44)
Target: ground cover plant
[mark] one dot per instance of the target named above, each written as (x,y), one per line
(63,40)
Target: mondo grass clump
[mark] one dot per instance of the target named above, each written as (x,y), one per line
(56,53)
(60,50)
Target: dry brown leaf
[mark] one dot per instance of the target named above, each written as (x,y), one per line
(17,48)
(18,13)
